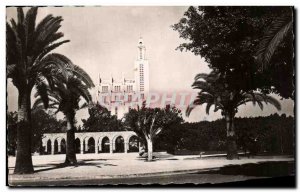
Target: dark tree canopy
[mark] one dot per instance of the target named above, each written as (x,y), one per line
(42,122)
(273,134)
(228,37)
(100,119)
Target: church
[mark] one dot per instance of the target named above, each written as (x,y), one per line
(119,95)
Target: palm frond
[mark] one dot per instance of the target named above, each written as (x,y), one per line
(14,45)
(84,105)
(30,26)
(79,88)
(42,90)
(191,107)
(208,106)
(259,98)
(38,104)
(11,56)
(58,61)
(47,27)
(20,15)
(272,38)
(200,85)
(49,48)
(82,75)
(260,104)
(201,76)
(273,102)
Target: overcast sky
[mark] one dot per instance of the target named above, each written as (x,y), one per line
(104,41)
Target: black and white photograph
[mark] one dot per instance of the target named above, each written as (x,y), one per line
(141,96)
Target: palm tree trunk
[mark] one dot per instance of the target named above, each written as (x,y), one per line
(23,160)
(150,149)
(70,148)
(231,138)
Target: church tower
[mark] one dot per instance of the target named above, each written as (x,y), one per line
(111,91)
(142,70)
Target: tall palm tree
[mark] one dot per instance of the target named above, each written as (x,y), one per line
(65,97)
(214,92)
(30,64)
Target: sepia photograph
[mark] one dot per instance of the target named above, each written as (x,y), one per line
(147,96)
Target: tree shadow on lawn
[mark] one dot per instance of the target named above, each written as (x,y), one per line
(88,162)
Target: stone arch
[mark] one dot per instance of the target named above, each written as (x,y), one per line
(119,144)
(133,143)
(84,142)
(55,145)
(58,146)
(129,136)
(77,145)
(91,145)
(63,146)
(105,144)
(113,140)
(48,146)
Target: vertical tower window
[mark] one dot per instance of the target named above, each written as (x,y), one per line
(141,53)
(117,88)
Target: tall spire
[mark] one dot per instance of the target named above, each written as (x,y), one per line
(123,78)
(112,79)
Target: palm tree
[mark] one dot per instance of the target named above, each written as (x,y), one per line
(214,92)
(30,64)
(65,96)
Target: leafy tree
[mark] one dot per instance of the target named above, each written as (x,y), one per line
(228,39)
(42,122)
(30,64)
(213,92)
(273,134)
(148,123)
(193,137)
(100,119)
(67,93)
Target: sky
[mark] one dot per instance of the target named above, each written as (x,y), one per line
(104,41)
